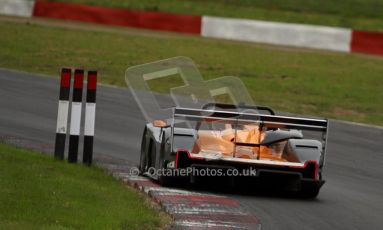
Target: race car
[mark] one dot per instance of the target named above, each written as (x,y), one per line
(286,150)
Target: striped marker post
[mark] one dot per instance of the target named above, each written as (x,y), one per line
(90,115)
(62,114)
(75,116)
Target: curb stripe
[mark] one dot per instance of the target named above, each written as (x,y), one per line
(228,218)
(211,200)
(120,17)
(197,210)
(367,42)
(204,225)
(21,8)
(189,209)
(275,33)
(289,34)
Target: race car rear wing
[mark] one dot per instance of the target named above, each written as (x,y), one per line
(268,121)
(225,106)
(263,120)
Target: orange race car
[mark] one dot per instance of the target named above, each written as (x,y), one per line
(237,141)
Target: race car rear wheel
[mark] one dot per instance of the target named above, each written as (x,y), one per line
(143,158)
(309,192)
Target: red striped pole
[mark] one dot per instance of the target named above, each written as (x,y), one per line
(75,122)
(90,115)
(62,114)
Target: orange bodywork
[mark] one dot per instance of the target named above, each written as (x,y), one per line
(223,142)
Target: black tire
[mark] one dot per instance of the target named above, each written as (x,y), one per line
(164,180)
(309,192)
(143,156)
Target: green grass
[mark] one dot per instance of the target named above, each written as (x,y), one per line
(37,192)
(329,84)
(358,14)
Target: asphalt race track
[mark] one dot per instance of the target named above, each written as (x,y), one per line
(352,197)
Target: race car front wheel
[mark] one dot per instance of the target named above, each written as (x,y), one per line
(163,179)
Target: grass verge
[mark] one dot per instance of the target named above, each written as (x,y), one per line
(357,14)
(334,85)
(37,192)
